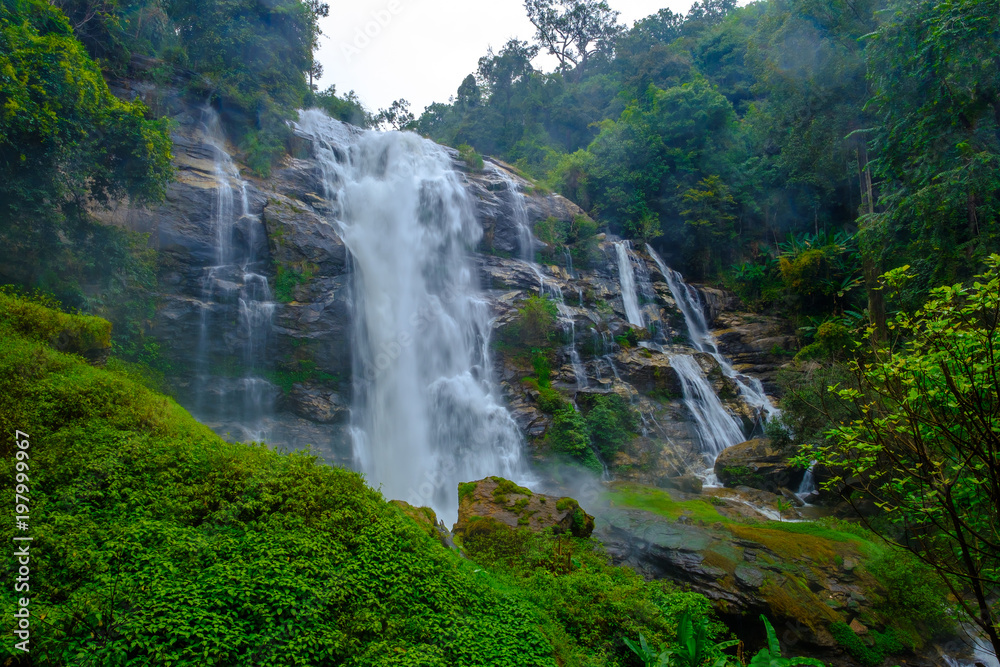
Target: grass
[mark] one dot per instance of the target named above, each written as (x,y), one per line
(660,502)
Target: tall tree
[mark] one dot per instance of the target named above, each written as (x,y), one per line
(573,30)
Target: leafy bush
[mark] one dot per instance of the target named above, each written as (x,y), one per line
(884,644)
(534,325)
(469,155)
(611,424)
(568,435)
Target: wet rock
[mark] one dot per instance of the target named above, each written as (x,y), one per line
(748,577)
(311,401)
(302,240)
(649,371)
(757,464)
(684,483)
(500,500)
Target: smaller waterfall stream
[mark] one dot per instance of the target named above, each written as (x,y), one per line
(686,297)
(241,396)
(626,277)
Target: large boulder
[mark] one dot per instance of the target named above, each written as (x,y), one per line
(758,464)
(649,371)
(801,582)
(496,499)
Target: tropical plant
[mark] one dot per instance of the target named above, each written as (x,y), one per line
(770,656)
(924,439)
(692,648)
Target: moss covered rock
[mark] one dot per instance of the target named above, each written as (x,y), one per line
(500,500)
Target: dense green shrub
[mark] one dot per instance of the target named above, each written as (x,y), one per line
(611,424)
(884,644)
(586,598)
(568,436)
(534,325)
(470,157)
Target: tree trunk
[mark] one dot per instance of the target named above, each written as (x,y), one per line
(869,263)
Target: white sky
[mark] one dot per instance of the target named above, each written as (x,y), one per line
(423,49)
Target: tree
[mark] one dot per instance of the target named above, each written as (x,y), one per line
(934,68)
(573,30)
(925,442)
(397,117)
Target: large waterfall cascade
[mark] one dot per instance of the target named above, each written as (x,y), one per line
(243,398)
(426,412)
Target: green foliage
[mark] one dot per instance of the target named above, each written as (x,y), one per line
(693,647)
(568,436)
(757,284)
(578,235)
(470,157)
(884,644)
(543,369)
(534,326)
(936,139)
(923,438)
(611,424)
(79,334)
(771,655)
(287,278)
(589,604)
(914,597)
(348,108)
(66,144)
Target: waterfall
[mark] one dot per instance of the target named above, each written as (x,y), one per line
(526,238)
(717,428)
(808,486)
(426,413)
(686,297)
(553,291)
(626,276)
(240,395)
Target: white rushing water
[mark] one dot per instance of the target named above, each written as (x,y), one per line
(808,486)
(626,277)
(426,415)
(686,297)
(246,399)
(717,428)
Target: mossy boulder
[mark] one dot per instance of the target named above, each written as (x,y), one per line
(496,499)
(85,335)
(759,464)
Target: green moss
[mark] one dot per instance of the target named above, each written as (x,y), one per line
(466,489)
(884,644)
(564,504)
(659,502)
(507,486)
(289,277)
(77,334)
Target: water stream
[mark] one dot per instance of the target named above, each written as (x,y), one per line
(750,388)
(626,277)
(426,413)
(229,390)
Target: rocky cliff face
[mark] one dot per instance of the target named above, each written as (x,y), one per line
(308,352)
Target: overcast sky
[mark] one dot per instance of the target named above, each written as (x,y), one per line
(422,49)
